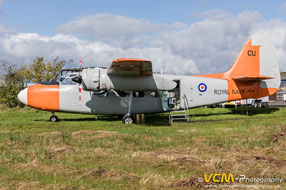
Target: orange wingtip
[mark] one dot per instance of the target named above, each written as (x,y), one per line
(252,78)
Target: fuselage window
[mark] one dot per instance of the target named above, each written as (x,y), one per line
(121,94)
(138,94)
(155,94)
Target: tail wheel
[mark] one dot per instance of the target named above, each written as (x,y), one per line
(54,118)
(127,119)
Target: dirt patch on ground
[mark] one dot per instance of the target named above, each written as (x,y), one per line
(180,158)
(261,164)
(191,183)
(278,136)
(115,175)
(53,133)
(103,134)
(5,131)
(83,132)
(99,134)
(35,164)
(269,160)
(62,149)
(223,129)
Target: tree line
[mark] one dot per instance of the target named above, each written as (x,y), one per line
(14,78)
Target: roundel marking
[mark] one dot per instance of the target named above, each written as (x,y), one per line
(202,87)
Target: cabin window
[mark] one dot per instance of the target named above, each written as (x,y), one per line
(121,94)
(138,94)
(155,94)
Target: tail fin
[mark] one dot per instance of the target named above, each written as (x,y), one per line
(256,61)
(254,68)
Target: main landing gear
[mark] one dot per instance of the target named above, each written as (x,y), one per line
(127,119)
(54,118)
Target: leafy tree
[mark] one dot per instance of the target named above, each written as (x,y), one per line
(41,70)
(12,84)
(15,78)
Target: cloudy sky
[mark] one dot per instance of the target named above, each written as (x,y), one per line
(179,37)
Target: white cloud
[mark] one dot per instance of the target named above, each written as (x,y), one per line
(6,29)
(113,29)
(1,1)
(213,14)
(212,43)
(276,31)
(207,46)
(282,8)
(24,46)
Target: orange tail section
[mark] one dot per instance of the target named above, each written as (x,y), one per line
(255,72)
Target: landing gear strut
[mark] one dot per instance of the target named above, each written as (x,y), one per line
(54,118)
(127,119)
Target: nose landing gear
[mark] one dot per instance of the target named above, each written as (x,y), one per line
(54,118)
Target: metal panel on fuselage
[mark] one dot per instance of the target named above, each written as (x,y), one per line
(216,90)
(100,104)
(200,91)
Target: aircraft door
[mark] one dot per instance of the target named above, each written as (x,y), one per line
(186,93)
(171,99)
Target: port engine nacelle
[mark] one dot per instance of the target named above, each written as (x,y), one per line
(95,79)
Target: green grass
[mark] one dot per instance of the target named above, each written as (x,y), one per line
(80,152)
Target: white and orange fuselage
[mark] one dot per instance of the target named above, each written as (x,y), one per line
(254,74)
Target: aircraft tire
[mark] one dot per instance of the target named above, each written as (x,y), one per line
(127,119)
(54,118)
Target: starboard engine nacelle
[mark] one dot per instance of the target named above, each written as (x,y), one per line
(95,79)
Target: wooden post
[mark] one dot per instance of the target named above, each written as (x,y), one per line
(246,108)
(143,118)
(140,118)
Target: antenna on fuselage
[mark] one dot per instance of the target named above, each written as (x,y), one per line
(162,69)
(78,79)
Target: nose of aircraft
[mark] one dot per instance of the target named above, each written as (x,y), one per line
(22,96)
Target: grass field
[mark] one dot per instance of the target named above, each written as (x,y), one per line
(80,152)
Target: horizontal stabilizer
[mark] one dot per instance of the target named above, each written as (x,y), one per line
(252,78)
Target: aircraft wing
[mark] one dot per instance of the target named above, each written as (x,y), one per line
(137,75)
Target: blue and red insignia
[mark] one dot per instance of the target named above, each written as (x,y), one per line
(202,87)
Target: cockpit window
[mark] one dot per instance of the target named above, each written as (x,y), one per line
(67,79)
(61,79)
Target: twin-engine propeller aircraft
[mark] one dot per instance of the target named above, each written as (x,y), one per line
(130,87)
